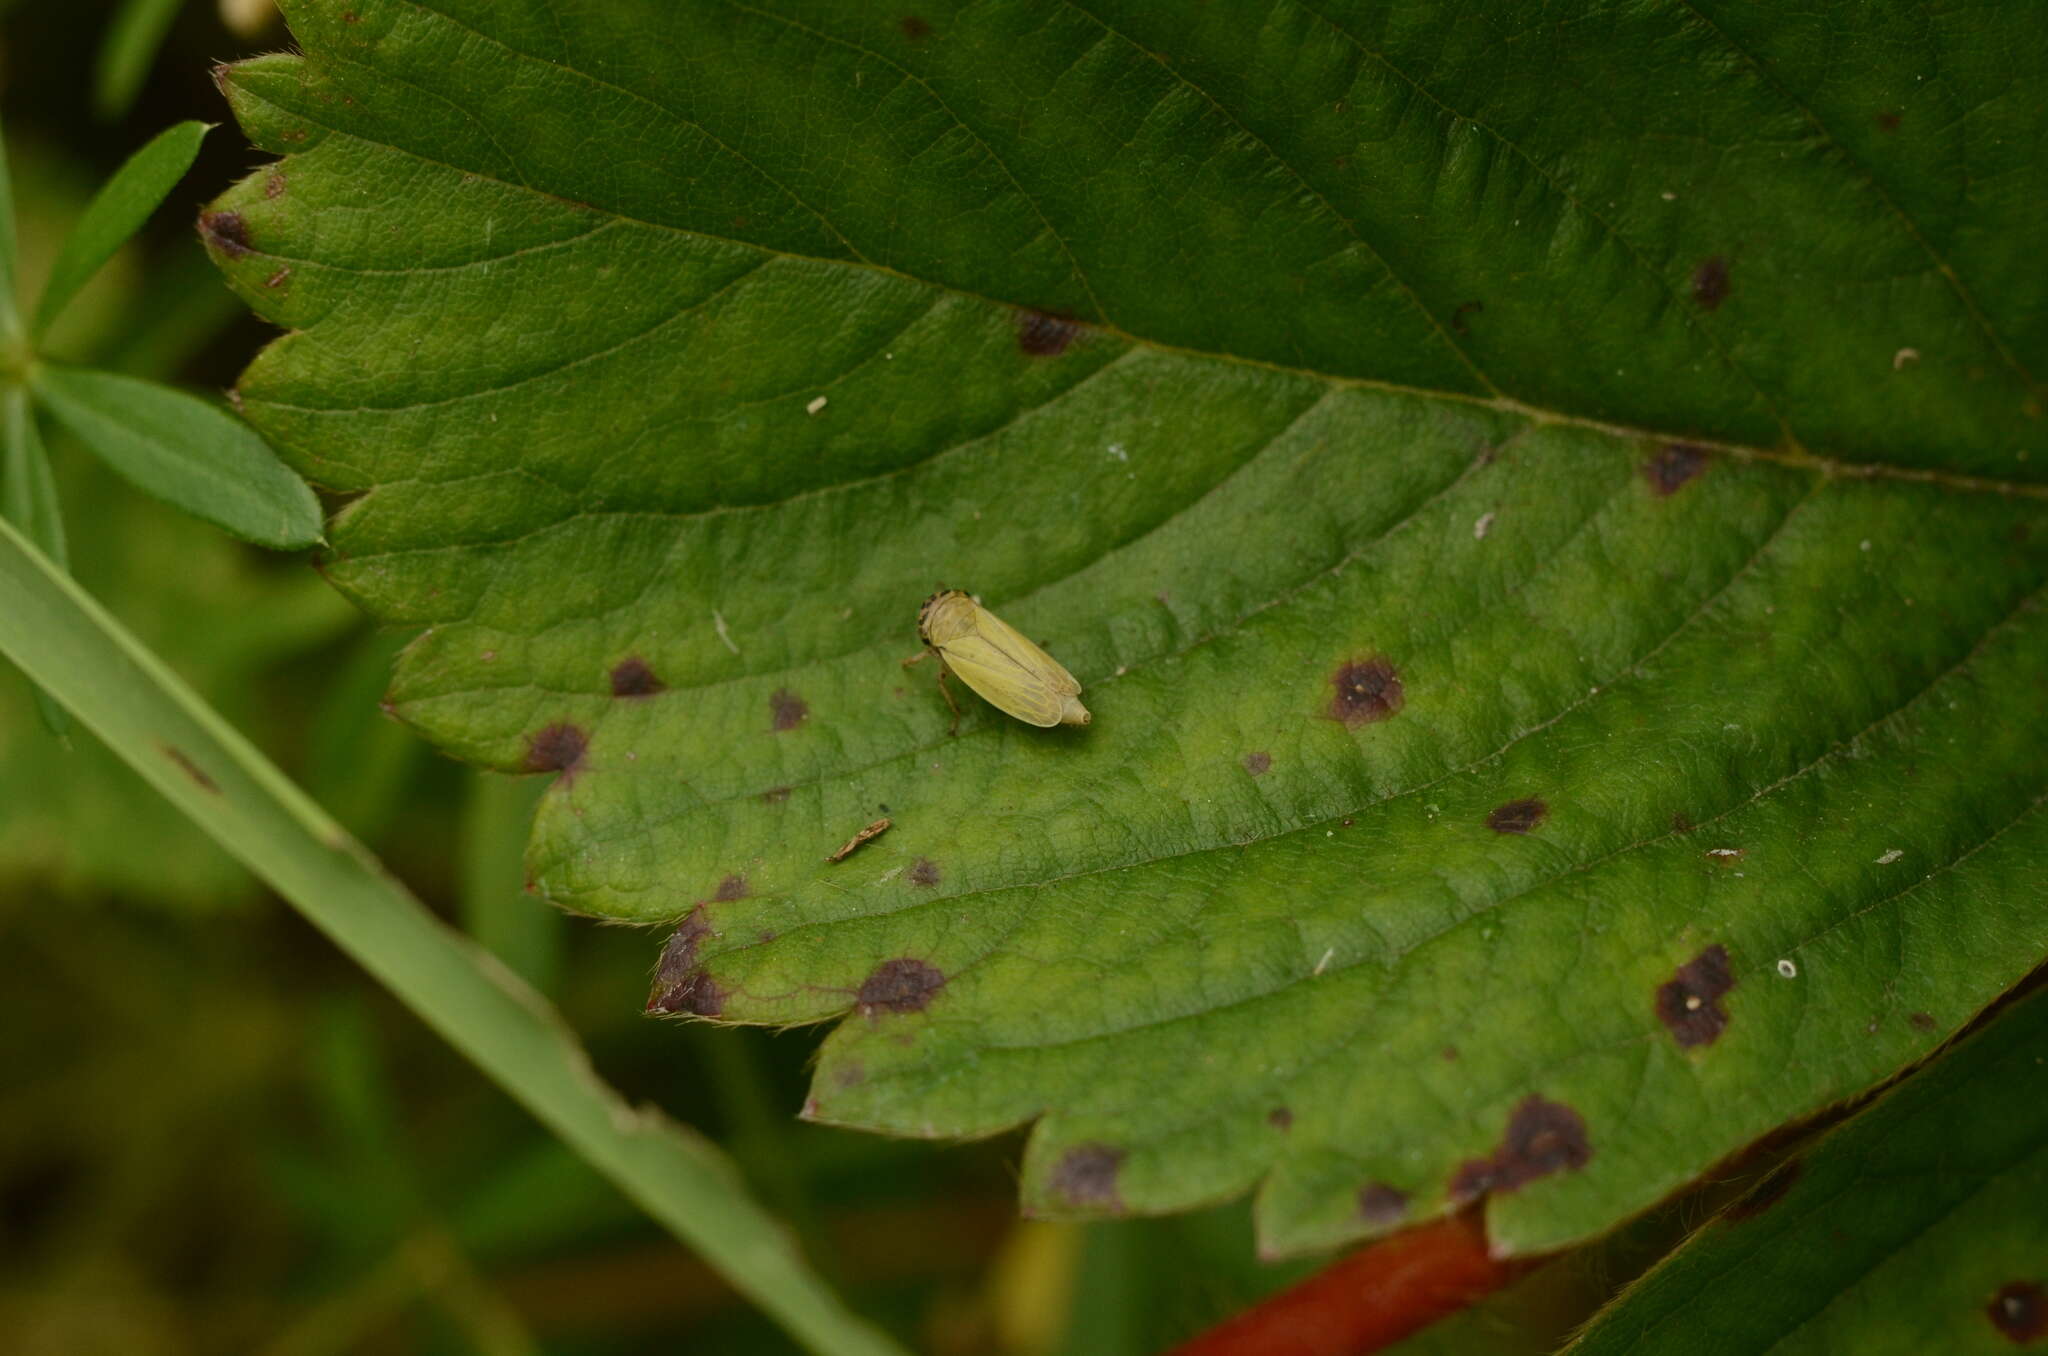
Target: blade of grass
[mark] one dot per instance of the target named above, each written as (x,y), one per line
(517,927)
(133,38)
(28,499)
(116,212)
(190,454)
(124,693)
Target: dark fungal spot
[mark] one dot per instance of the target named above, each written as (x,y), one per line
(1280,1118)
(226,232)
(1681,823)
(1672,467)
(1365,690)
(1086,1176)
(905,984)
(1689,1003)
(732,887)
(191,769)
(924,872)
(1043,335)
(1381,1205)
(631,677)
(1542,1138)
(556,748)
(775,795)
(786,709)
(273,184)
(1888,120)
(1517,816)
(1766,1193)
(914,28)
(1458,316)
(2020,1311)
(679,986)
(1258,764)
(1923,1021)
(1710,282)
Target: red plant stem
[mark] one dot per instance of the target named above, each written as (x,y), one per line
(1369,1300)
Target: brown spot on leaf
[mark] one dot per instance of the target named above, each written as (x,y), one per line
(631,677)
(1766,1193)
(775,795)
(273,184)
(914,28)
(191,769)
(1681,823)
(1381,1205)
(786,709)
(1672,467)
(2020,1311)
(1517,816)
(1542,1138)
(556,748)
(1888,120)
(1258,764)
(226,232)
(679,986)
(1689,1003)
(1280,1118)
(1043,335)
(1710,282)
(924,872)
(732,887)
(1086,1176)
(1458,316)
(1365,690)
(1923,1021)
(904,984)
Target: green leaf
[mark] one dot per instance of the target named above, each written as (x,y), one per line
(127,49)
(28,499)
(1918,1226)
(1549,513)
(186,452)
(127,696)
(117,212)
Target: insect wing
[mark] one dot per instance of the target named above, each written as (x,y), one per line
(1015,644)
(1007,683)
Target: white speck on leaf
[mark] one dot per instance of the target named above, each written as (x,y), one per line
(889,875)
(1904,356)
(1669,196)
(1482,527)
(1787,969)
(1323,964)
(1724,852)
(816,405)
(1117,450)
(1890,857)
(724,636)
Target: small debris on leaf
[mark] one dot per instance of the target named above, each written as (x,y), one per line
(872,831)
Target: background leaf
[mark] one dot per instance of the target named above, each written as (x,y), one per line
(1916,1227)
(117,212)
(185,452)
(1547,508)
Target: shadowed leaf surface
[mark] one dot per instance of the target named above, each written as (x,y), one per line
(1546,507)
(1916,1227)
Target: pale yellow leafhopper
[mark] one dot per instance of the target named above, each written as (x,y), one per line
(994,658)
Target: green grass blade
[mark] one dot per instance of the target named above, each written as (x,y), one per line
(185,452)
(126,695)
(116,212)
(28,499)
(133,38)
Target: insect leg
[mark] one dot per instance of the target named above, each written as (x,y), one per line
(947,693)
